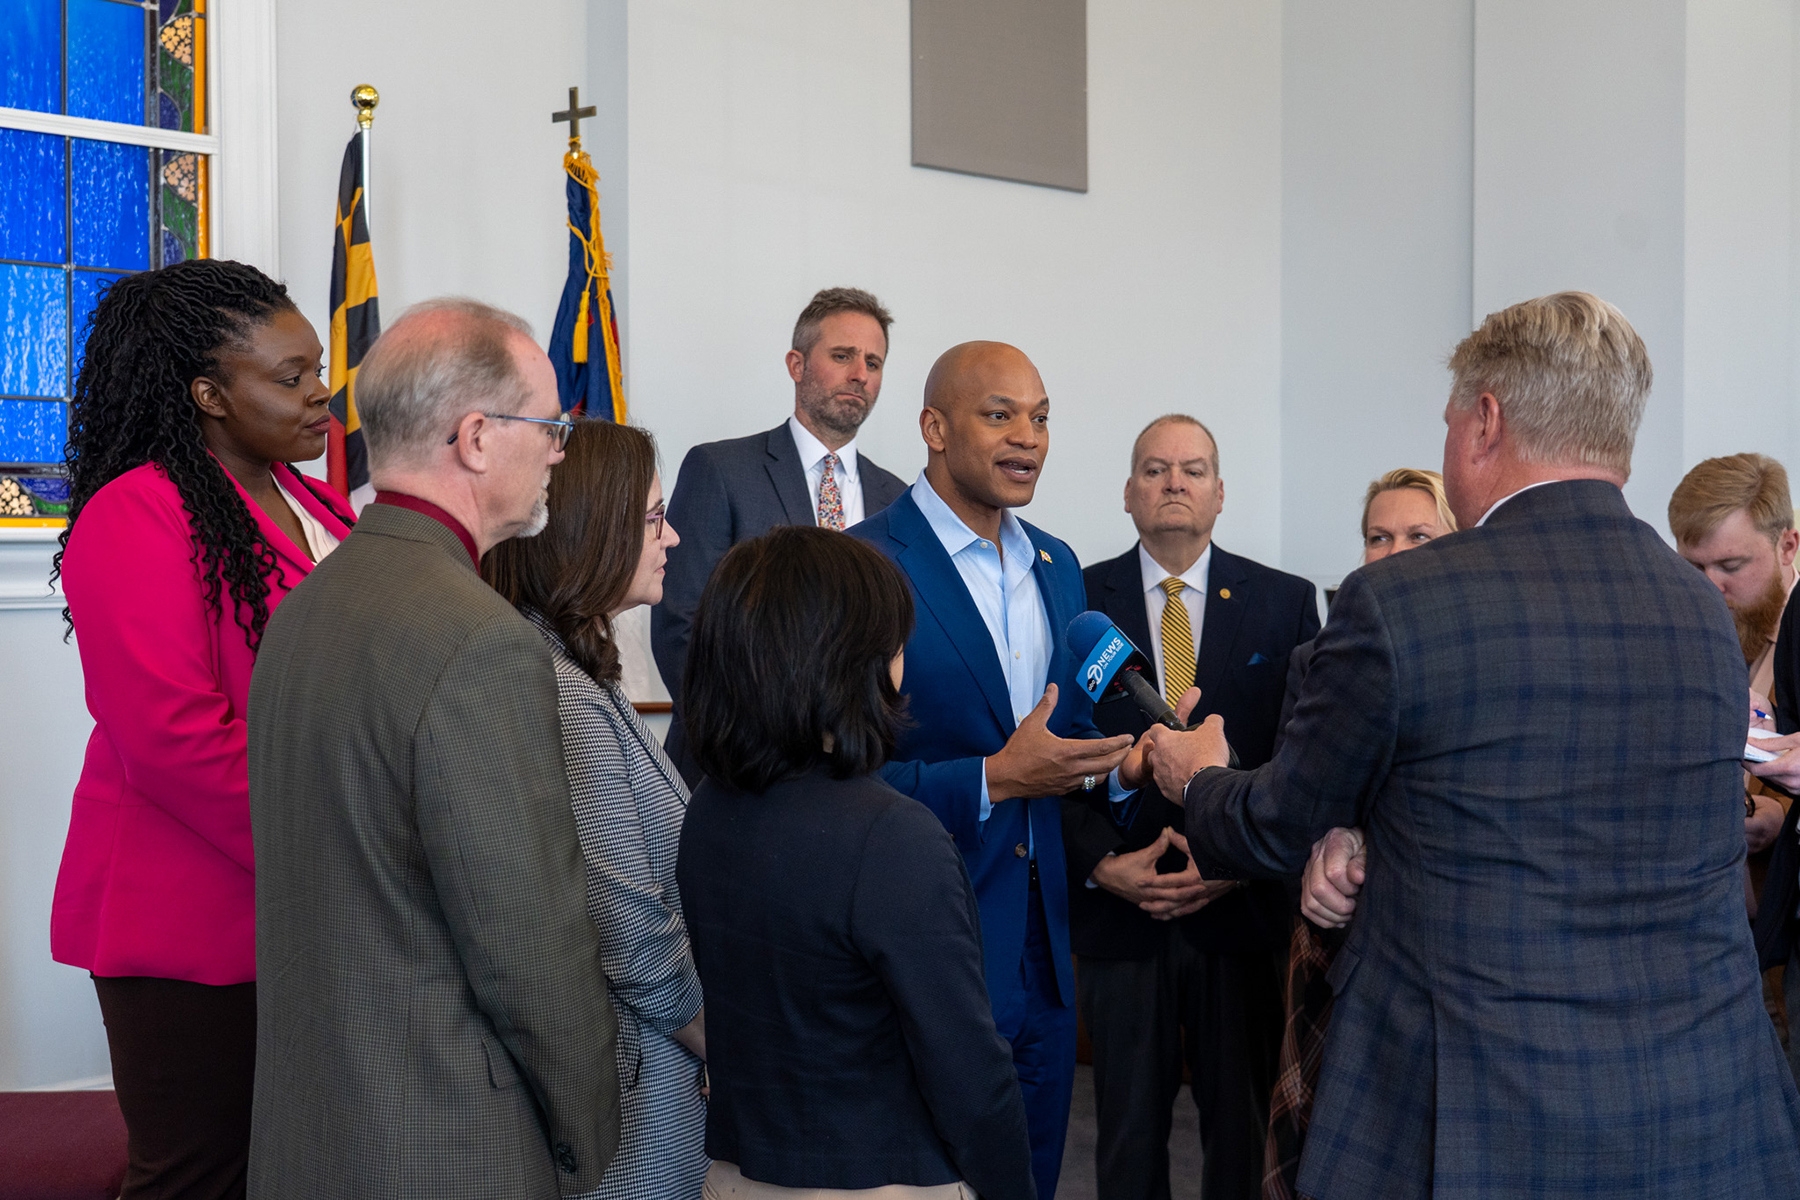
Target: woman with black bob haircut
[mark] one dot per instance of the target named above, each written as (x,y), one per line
(187,526)
(849,1038)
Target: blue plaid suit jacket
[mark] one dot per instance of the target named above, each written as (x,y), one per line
(1549,988)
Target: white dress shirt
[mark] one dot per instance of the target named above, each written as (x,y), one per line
(1005,591)
(1193,597)
(1502,500)
(812,463)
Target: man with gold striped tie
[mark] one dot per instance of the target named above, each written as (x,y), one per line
(1163,954)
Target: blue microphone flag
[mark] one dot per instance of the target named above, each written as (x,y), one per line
(1109,652)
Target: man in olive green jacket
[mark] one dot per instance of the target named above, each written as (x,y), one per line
(432,1015)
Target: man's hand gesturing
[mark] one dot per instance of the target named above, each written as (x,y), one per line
(1035,762)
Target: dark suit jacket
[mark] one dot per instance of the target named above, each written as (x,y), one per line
(726,493)
(847,1026)
(432,1018)
(1776,925)
(1255,615)
(1549,989)
(961,713)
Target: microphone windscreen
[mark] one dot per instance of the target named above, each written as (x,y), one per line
(1085,630)
(1103,651)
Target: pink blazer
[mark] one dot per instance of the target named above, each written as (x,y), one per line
(157,875)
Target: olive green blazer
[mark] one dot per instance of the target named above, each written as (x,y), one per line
(432,1018)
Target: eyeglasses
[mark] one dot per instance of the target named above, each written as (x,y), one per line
(655,518)
(559,428)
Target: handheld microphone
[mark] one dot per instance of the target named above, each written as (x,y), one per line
(1111,667)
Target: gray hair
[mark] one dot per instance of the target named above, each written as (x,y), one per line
(1175,419)
(441,360)
(1570,373)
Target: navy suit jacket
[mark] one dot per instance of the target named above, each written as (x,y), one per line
(1255,616)
(726,493)
(960,713)
(1549,989)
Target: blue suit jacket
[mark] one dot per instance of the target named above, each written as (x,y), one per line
(961,713)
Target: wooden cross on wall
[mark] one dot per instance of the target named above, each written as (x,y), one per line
(574,114)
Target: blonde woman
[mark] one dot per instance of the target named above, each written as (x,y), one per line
(1402,510)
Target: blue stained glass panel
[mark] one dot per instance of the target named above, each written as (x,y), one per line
(111,194)
(34,358)
(32,213)
(33,431)
(89,287)
(106,61)
(31,55)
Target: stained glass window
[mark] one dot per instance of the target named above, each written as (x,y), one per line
(110,179)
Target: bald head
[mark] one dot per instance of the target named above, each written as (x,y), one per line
(973,371)
(987,424)
(440,360)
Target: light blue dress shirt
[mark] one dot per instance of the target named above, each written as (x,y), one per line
(1004,588)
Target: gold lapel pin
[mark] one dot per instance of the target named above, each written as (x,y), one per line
(1224,593)
(1044,554)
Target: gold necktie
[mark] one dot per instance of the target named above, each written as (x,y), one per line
(1177,643)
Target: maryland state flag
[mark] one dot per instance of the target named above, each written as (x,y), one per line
(584,344)
(355,324)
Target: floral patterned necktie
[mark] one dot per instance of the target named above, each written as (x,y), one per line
(831,501)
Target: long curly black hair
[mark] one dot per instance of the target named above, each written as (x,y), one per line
(150,337)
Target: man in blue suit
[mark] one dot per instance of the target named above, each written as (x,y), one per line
(1000,731)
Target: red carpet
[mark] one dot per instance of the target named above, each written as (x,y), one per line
(61,1146)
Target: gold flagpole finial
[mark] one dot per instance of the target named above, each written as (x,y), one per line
(365,98)
(573,115)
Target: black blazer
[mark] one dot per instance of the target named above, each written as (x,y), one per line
(1775,921)
(726,493)
(848,1032)
(1255,616)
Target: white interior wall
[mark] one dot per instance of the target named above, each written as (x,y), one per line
(466,181)
(1737,309)
(1579,183)
(769,157)
(1376,210)
(49,1019)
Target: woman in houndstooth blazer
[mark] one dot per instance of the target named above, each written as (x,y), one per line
(601,554)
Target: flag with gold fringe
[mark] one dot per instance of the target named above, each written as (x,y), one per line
(355,324)
(584,343)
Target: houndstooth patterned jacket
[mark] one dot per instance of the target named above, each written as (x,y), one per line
(629,803)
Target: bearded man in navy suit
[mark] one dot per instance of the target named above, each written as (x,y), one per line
(805,471)
(1000,730)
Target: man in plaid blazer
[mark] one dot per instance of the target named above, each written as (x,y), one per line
(1549,988)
